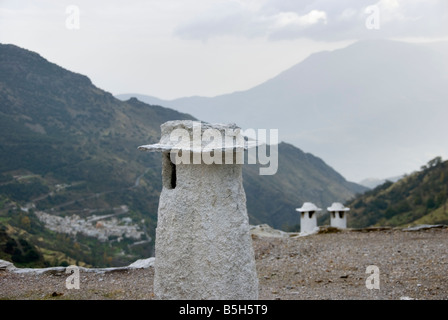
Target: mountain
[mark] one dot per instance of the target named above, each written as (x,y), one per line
(69,148)
(374,108)
(75,189)
(371,183)
(418,198)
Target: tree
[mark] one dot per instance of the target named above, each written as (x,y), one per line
(25,222)
(430,203)
(434,162)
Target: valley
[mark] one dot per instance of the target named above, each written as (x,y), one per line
(74,188)
(68,151)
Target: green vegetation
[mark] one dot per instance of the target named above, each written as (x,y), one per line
(24,191)
(417,198)
(56,128)
(18,250)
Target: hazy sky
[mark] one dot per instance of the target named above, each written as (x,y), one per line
(177,48)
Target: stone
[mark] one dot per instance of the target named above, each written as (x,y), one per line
(424,227)
(139,264)
(264,230)
(6,265)
(142,263)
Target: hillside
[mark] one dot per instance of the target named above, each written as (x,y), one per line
(418,198)
(69,148)
(357,107)
(75,189)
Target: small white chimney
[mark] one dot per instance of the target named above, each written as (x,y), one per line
(338,215)
(308,217)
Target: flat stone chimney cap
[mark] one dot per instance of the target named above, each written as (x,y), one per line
(336,206)
(307,207)
(196,136)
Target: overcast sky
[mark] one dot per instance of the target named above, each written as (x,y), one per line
(177,48)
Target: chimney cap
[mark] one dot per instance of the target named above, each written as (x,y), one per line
(337,206)
(231,131)
(307,207)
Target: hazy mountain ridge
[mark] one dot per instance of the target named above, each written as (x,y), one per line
(357,107)
(371,183)
(69,148)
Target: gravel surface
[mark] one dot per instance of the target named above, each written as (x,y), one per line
(412,265)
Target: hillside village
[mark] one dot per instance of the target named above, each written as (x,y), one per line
(104,228)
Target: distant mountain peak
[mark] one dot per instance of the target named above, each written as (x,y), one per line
(367,99)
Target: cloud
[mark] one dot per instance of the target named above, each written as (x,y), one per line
(317,19)
(283,19)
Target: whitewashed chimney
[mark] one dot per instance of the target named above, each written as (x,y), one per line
(338,215)
(203,246)
(308,217)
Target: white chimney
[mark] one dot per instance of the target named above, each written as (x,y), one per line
(308,217)
(338,215)
(203,246)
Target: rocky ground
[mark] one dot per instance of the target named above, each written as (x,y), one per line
(327,265)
